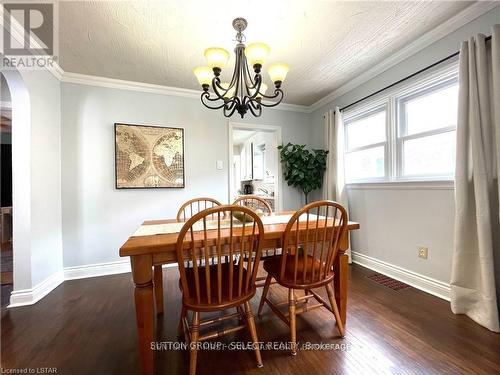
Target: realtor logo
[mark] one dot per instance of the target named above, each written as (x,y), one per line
(29,39)
(37,20)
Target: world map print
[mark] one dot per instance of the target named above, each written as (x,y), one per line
(149,156)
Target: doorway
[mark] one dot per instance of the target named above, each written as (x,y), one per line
(254,167)
(6,250)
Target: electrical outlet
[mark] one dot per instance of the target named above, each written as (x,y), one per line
(423,252)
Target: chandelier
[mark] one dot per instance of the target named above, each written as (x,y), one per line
(243,92)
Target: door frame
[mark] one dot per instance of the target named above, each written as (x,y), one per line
(278,139)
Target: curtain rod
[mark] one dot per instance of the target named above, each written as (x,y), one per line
(406,78)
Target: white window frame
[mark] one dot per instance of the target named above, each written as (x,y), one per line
(402,127)
(366,111)
(392,99)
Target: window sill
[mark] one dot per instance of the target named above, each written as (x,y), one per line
(403,185)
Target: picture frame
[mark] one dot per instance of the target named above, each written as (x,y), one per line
(149,156)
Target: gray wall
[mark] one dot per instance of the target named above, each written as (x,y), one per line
(97,218)
(395,222)
(36,157)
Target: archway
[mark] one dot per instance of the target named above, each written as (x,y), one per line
(21,179)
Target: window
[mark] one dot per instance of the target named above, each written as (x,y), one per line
(427,123)
(366,141)
(407,135)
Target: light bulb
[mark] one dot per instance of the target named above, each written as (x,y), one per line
(278,72)
(204,75)
(256,53)
(216,57)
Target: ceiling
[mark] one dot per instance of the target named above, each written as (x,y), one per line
(326,43)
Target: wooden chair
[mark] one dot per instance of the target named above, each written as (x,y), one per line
(310,248)
(226,284)
(254,202)
(187,210)
(193,206)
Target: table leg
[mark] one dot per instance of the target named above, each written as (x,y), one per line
(142,269)
(340,284)
(158,281)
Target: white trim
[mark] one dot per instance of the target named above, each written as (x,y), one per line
(56,71)
(269,128)
(98,269)
(427,284)
(101,269)
(84,79)
(90,80)
(31,296)
(467,15)
(28,297)
(404,185)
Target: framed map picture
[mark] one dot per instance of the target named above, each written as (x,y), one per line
(148,157)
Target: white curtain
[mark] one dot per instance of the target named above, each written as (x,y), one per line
(475,269)
(334,184)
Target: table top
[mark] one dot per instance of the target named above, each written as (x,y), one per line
(166,242)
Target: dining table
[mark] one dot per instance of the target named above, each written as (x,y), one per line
(154,244)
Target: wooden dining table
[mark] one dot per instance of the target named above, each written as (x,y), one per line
(146,251)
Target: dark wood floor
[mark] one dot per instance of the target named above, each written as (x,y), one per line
(88,327)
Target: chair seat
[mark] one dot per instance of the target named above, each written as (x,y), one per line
(215,303)
(273,266)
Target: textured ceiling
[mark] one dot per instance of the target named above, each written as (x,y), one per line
(326,43)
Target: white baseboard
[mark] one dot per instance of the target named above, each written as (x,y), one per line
(427,284)
(98,269)
(27,297)
(101,269)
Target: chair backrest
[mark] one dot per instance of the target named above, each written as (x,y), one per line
(234,248)
(193,206)
(254,202)
(311,242)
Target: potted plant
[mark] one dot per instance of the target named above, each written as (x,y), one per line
(303,168)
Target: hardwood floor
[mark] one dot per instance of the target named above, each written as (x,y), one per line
(88,327)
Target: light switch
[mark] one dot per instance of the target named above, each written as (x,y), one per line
(219,164)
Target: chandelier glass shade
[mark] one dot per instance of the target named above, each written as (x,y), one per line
(245,91)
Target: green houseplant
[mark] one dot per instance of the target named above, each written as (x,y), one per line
(302,168)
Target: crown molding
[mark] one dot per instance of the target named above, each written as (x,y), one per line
(90,80)
(464,17)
